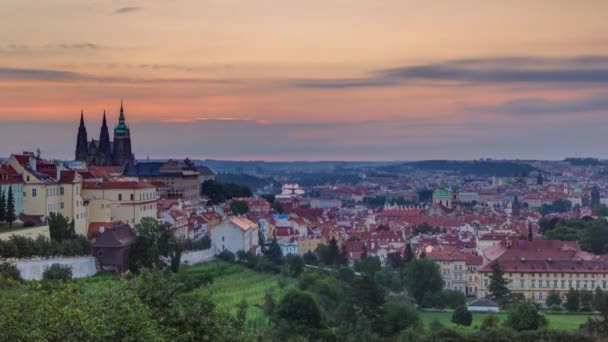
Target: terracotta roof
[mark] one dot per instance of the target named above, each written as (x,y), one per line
(117,236)
(116,184)
(242,223)
(94,227)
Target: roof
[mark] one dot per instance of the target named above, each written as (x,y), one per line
(242,223)
(118,184)
(95,226)
(483,302)
(8,175)
(117,236)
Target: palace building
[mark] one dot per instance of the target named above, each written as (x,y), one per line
(104,152)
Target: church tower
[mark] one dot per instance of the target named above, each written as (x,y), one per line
(105,149)
(122,141)
(81,141)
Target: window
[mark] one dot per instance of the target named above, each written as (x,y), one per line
(34,192)
(132,197)
(100,253)
(540,295)
(28,178)
(120,197)
(223,238)
(61,205)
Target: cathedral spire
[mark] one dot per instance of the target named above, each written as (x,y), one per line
(105,148)
(81,119)
(81,140)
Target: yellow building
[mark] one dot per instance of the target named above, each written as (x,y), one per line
(47,188)
(121,199)
(534,268)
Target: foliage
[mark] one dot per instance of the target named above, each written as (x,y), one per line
(2,205)
(489,322)
(57,272)
(274,252)
(239,207)
(155,243)
(573,300)
(399,314)
(10,215)
(295,265)
(586,297)
(226,255)
(197,245)
(220,192)
(462,316)
(18,246)
(553,298)
(592,235)
(60,228)
(310,258)
(394,259)
(558,206)
(9,271)
(368,266)
(422,278)
(299,309)
(525,316)
(498,285)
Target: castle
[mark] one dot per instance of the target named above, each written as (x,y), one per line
(104,152)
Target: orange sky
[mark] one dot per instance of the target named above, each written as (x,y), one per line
(296,62)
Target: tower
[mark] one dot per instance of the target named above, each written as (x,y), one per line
(105,149)
(122,141)
(81,140)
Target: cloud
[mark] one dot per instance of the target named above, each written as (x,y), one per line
(124,10)
(535,106)
(496,70)
(40,75)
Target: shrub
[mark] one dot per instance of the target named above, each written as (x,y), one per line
(9,271)
(489,322)
(57,272)
(462,316)
(227,255)
(525,316)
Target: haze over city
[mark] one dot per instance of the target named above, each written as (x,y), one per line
(309,80)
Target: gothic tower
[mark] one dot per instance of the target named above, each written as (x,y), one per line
(105,149)
(122,141)
(81,141)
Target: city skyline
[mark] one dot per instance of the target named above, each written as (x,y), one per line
(397,80)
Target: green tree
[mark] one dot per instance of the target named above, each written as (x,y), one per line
(599,299)
(57,272)
(310,258)
(553,299)
(422,277)
(60,228)
(399,315)
(525,316)
(10,216)
(154,244)
(586,299)
(462,316)
(296,265)
(332,252)
(239,207)
(368,266)
(408,255)
(572,300)
(299,309)
(274,252)
(498,285)
(2,205)
(369,297)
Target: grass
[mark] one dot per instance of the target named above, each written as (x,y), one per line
(556,321)
(233,283)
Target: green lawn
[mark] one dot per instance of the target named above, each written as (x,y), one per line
(232,283)
(556,321)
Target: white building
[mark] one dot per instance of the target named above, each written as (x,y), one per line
(289,248)
(235,234)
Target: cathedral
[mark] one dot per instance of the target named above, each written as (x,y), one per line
(104,152)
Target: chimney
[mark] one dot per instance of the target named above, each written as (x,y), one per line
(32,163)
(58,173)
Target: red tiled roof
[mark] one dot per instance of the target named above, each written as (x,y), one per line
(114,184)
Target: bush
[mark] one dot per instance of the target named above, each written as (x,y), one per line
(525,316)
(555,308)
(227,256)
(9,271)
(489,322)
(57,272)
(462,316)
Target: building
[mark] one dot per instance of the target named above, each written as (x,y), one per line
(11,179)
(533,268)
(48,188)
(443,197)
(111,247)
(235,234)
(182,179)
(104,152)
(483,305)
(122,199)
(452,263)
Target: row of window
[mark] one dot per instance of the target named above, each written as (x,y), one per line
(555,275)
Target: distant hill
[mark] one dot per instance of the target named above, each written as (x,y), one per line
(584,161)
(488,168)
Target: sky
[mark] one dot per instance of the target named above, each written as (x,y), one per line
(309,80)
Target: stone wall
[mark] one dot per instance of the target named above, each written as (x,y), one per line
(33,269)
(197,257)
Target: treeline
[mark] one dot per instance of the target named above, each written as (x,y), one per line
(557,206)
(583,161)
(475,167)
(252,182)
(220,192)
(591,234)
(24,247)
